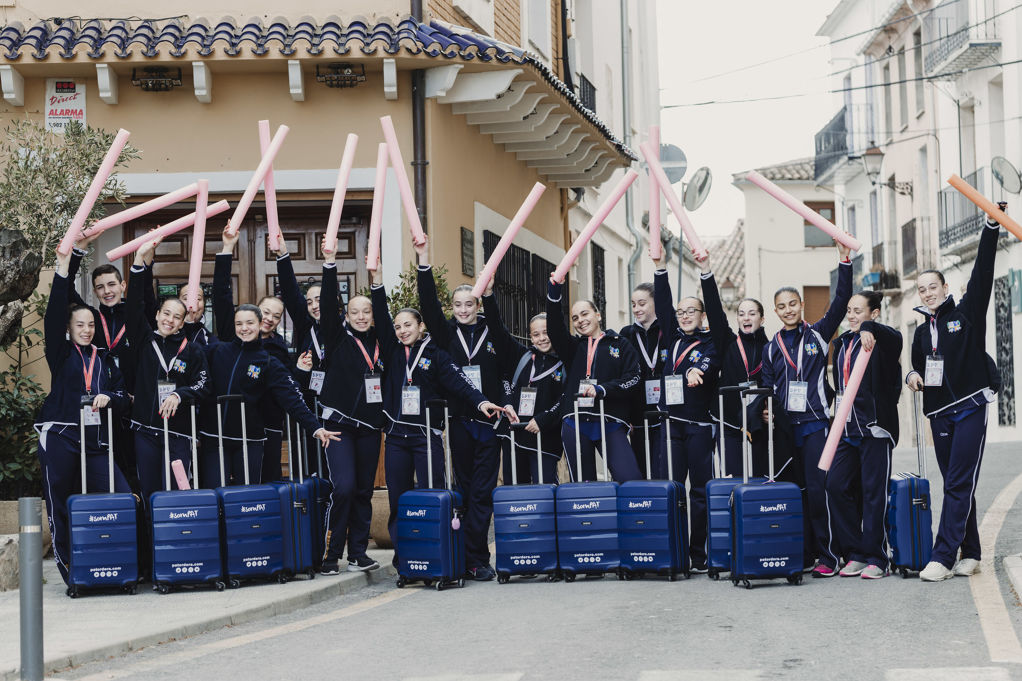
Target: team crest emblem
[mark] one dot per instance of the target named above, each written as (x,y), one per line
(558,376)
(696,356)
(954,327)
(424,364)
(615,352)
(253,371)
(178,366)
(812,349)
(489,348)
(663,355)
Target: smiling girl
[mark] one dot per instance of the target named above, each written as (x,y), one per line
(647,339)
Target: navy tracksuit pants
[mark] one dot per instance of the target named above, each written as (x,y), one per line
(272,448)
(857,491)
(616,450)
(656,455)
(692,451)
(527,466)
(733,454)
(475,453)
(151,465)
(818,543)
(404,463)
(958,440)
(60,460)
(351,464)
(234,467)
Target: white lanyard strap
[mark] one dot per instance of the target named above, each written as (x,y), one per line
(315,343)
(933,333)
(163,362)
(475,351)
(532,372)
(409,370)
(651,363)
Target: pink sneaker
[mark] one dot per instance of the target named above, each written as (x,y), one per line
(822,570)
(874,572)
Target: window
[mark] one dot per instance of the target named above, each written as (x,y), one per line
(587,93)
(478,12)
(814,236)
(850,222)
(917,70)
(599,280)
(902,89)
(888,104)
(519,285)
(538,26)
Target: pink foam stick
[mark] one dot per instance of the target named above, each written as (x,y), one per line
(652,156)
(505,241)
(376,218)
(150,206)
(594,223)
(337,205)
(986,205)
(183,222)
(844,409)
(269,192)
(398,164)
(803,210)
(257,178)
(179,474)
(198,246)
(92,194)
(656,248)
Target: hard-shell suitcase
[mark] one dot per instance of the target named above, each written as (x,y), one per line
(525,523)
(587,525)
(185,530)
(320,489)
(718,495)
(909,518)
(103,527)
(253,540)
(430,540)
(653,519)
(296,509)
(766,532)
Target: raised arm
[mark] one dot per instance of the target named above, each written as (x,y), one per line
(291,293)
(722,333)
(139,328)
(382,321)
(564,345)
(664,304)
(827,326)
(75,263)
(55,320)
(429,302)
(976,299)
(330,314)
(223,287)
(509,349)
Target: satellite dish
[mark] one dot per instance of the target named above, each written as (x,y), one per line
(674,163)
(698,188)
(1006,174)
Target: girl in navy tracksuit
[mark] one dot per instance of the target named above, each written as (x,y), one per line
(352,402)
(689,388)
(195,328)
(170,376)
(649,344)
(859,475)
(417,370)
(795,366)
(741,361)
(956,376)
(475,447)
(80,374)
(537,382)
(602,366)
(242,366)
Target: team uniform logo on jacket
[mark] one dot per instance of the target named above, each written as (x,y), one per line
(812,349)
(696,356)
(253,371)
(178,366)
(558,376)
(489,348)
(424,364)
(954,327)
(615,352)
(663,355)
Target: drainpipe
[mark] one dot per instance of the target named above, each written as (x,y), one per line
(419,161)
(626,119)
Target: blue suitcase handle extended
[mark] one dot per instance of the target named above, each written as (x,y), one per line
(221,400)
(769,392)
(522,425)
(654,415)
(721,391)
(86,402)
(603,435)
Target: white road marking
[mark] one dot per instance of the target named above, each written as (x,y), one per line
(467,677)
(702,675)
(1002,641)
(949,674)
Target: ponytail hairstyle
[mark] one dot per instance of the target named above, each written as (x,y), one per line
(645,287)
(249,307)
(463,287)
(873,298)
(72,308)
(174,300)
(940,275)
(412,311)
(541,315)
(759,305)
(788,289)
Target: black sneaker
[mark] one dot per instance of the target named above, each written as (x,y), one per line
(329,567)
(699,569)
(362,564)
(483,573)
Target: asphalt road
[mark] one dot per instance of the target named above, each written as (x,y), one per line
(648,630)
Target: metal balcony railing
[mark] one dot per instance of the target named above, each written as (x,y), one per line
(877,262)
(960,219)
(909,253)
(587,93)
(848,134)
(959,34)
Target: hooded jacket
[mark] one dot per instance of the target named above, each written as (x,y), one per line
(652,353)
(876,402)
(306,334)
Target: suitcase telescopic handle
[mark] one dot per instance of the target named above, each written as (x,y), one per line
(757,391)
(741,387)
(223,399)
(514,450)
(436,402)
(656,416)
(752,389)
(86,402)
(917,408)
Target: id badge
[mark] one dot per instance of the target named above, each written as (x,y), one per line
(586,402)
(474,374)
(837,405)
(797,393)
(374,393)
(652,391)
(410,400)
(316,381)
(933,376)
(674,390)
(164,389)
(527,402)
(89,417)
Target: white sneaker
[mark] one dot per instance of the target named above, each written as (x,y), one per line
(852,568)
(935,572)
(966,567)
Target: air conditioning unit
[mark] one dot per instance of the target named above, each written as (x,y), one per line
(871,280)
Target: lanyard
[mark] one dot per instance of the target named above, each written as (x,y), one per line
(315,343)
(532,372)
(681,358)
(651,363)
(933,333)
(409,370)
(745,359)
(591,354)
(475,350)
(87,373)
(163,363)
(376,353)
(111,344)
(801,343)
(848,362)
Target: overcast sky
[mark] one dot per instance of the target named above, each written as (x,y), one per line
(699,39)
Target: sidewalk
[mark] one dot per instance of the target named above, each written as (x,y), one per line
(92,628)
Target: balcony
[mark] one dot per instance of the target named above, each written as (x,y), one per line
(909,251)
(916,251)
(960,219)
(841,142)
(587,93)
(959,34)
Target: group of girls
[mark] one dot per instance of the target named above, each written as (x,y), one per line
(368,375)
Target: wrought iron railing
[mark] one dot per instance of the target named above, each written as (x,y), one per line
(587,93)
(959,217)
(952,25)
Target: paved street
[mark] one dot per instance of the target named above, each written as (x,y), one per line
(606,629)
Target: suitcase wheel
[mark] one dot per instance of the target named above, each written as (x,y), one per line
(165,588)
(311,572)
(747,584)
(671,577)
(72,591)
(714,574)
(131,589)
(281,578)
(220,586)
(734,582)
(428,582)
(569,577)
(461,582)
(795,579)
(904,573)
(401,582)
(439,585)
(553,577)
(503,578)
(234,583)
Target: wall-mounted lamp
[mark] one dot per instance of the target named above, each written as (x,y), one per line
(872,160)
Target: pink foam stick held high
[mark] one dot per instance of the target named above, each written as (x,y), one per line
(150,206)
(398,164)
(337,205)
(803,210)
(257,178)
(376,217)
(655,247)
(652,156)
(505,241)
(986,205)
(844,409)
(98,182)
(198,246)
(594,224)
(183,222)
(269,191)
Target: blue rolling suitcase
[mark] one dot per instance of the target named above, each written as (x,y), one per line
(296,509)
(104,528)
(185,531)
(653,519)
(253,539)
(587,524)
(525,523)
(430,541)
(320,489)
(909,518)
(766,531)
(718,496)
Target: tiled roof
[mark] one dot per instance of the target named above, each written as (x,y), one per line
(799,170)
(381,36)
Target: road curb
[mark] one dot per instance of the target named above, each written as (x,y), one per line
(1013,566)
